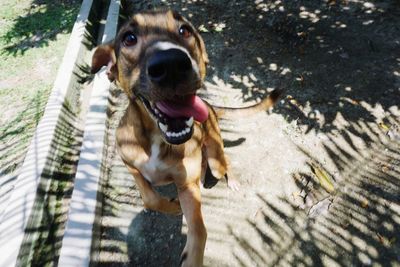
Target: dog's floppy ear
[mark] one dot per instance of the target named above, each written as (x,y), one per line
(104,55)
(203,49)
(203,55)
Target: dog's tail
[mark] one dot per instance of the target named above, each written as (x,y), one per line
(265,104)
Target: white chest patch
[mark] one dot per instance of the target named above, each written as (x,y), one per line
(154,161)
(153,168)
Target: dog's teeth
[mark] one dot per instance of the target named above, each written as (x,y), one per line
(156,111)
(189,122)
(175,134)
(163,127)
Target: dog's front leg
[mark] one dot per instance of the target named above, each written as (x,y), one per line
(190,199)
(214,152)
(151,199)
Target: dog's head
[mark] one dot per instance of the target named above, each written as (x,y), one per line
(159,58)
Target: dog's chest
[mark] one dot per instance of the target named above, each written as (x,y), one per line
(153,168)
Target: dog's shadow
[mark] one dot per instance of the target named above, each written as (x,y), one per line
(154,238)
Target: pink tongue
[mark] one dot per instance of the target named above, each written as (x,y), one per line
(192,106)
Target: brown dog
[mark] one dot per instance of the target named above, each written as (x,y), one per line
(168,134)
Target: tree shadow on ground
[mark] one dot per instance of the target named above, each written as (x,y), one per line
(355,224)
(43,21)
(334,58)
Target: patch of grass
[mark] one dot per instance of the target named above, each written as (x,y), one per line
(35,24)
(16,133)
(33,37)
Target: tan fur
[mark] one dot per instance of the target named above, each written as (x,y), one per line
(265,104)
(138,135)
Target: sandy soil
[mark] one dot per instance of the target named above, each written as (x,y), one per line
(320,173)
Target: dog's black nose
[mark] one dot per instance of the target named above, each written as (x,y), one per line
(169,67)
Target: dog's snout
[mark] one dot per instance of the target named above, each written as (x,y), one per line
(167,67)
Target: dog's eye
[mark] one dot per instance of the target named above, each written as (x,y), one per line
(185,31)
(129,39)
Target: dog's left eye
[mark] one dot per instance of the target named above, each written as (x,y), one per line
(185,31)
(129,39)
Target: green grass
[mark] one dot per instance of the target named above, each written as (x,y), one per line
(33,37)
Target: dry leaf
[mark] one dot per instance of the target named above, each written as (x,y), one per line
(300,79)
(394,133)
(257,214)
(320,208)
(332,2)
(345,225)
(384,126)
(333,230)
(296,194)
(203,28)
(385,241)
(219,27)
(364,203)
(355,102)
(302,34)
(324,179)
(385,169)
(294,102)
(380,238)
(297,177)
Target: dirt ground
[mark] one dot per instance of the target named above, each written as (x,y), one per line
(320,173)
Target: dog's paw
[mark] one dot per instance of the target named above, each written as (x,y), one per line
(192,255)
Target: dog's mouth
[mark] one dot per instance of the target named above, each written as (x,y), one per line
(175,118)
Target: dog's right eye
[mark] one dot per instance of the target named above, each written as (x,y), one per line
(185,31)
(129,39)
